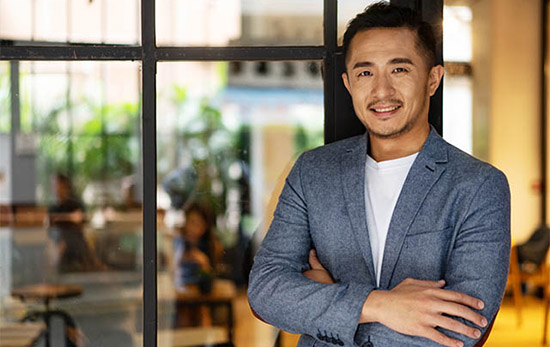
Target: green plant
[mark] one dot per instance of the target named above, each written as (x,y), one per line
(103,148)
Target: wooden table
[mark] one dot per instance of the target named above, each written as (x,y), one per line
(222,295)
(20,334)
(46,292)
(191,337)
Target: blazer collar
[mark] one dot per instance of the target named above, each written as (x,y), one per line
(352,169)
(423,174)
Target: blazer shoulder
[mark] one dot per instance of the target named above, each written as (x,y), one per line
(470,168)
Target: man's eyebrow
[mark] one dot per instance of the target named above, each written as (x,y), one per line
(401,61)
(362,64)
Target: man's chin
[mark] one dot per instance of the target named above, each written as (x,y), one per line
(387,133)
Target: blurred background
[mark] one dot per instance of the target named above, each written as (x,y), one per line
(71,183)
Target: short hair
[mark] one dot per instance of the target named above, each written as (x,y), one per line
(385,15)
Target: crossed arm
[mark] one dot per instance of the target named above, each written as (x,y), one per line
(453,312)
(415,307)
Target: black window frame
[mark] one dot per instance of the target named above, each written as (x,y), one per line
(340,121)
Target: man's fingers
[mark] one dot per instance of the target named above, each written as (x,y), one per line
(314,261)
(457,327)
(424,283)
(442,339)
(459,310)
(461,298)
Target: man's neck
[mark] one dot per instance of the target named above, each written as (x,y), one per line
(382,149)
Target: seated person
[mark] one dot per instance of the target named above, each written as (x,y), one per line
(69,251)
(197,253)
(197,248)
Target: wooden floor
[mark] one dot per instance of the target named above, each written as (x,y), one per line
(506,332)
(249,332)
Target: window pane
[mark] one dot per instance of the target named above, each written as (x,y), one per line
(239,22)
(72,218)
(228,134)
(109,21)
(5,109)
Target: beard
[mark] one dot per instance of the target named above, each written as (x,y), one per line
(391,133)
(398,131)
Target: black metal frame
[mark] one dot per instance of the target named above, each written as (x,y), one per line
(340,121)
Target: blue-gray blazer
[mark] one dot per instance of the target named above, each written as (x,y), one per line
(451,221)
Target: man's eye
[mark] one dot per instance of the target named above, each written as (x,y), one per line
(399,69)
(364,73)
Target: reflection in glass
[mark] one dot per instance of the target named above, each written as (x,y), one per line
(227,134)
(70,233)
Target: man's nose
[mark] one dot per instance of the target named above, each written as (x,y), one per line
(383,87)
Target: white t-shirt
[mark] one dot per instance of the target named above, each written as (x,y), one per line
(383,183)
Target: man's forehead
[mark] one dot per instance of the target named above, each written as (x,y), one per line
(402,41)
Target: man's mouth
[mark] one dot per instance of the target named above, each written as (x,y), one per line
(385,109)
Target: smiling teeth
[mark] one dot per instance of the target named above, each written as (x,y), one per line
(387,109)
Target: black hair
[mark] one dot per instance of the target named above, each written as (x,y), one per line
(208,239)
(385,15)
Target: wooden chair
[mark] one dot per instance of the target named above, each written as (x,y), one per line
(514,281)
(540,278)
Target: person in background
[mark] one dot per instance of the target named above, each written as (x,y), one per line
(71,252)
(197,253)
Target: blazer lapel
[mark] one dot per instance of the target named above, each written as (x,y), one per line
(423,174)
(353,179)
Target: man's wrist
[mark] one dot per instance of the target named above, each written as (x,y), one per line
(371,307)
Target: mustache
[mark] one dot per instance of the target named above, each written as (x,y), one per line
(383,102)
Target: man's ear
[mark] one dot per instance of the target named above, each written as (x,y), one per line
(345,79)
(434,78)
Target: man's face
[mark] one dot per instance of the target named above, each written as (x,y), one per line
(389,81)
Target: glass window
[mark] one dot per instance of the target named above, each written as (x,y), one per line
(97,21)
(227,136)
(75,203)
(239,22)
(5,109)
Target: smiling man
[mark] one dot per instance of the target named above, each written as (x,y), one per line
(394,238)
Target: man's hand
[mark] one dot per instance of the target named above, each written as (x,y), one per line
(416,307)
(317,273)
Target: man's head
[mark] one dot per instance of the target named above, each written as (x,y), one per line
(390,72)
(384,15)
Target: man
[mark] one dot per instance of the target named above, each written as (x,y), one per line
(395,238)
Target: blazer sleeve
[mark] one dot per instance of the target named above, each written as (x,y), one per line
(279,292)
(478,264)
